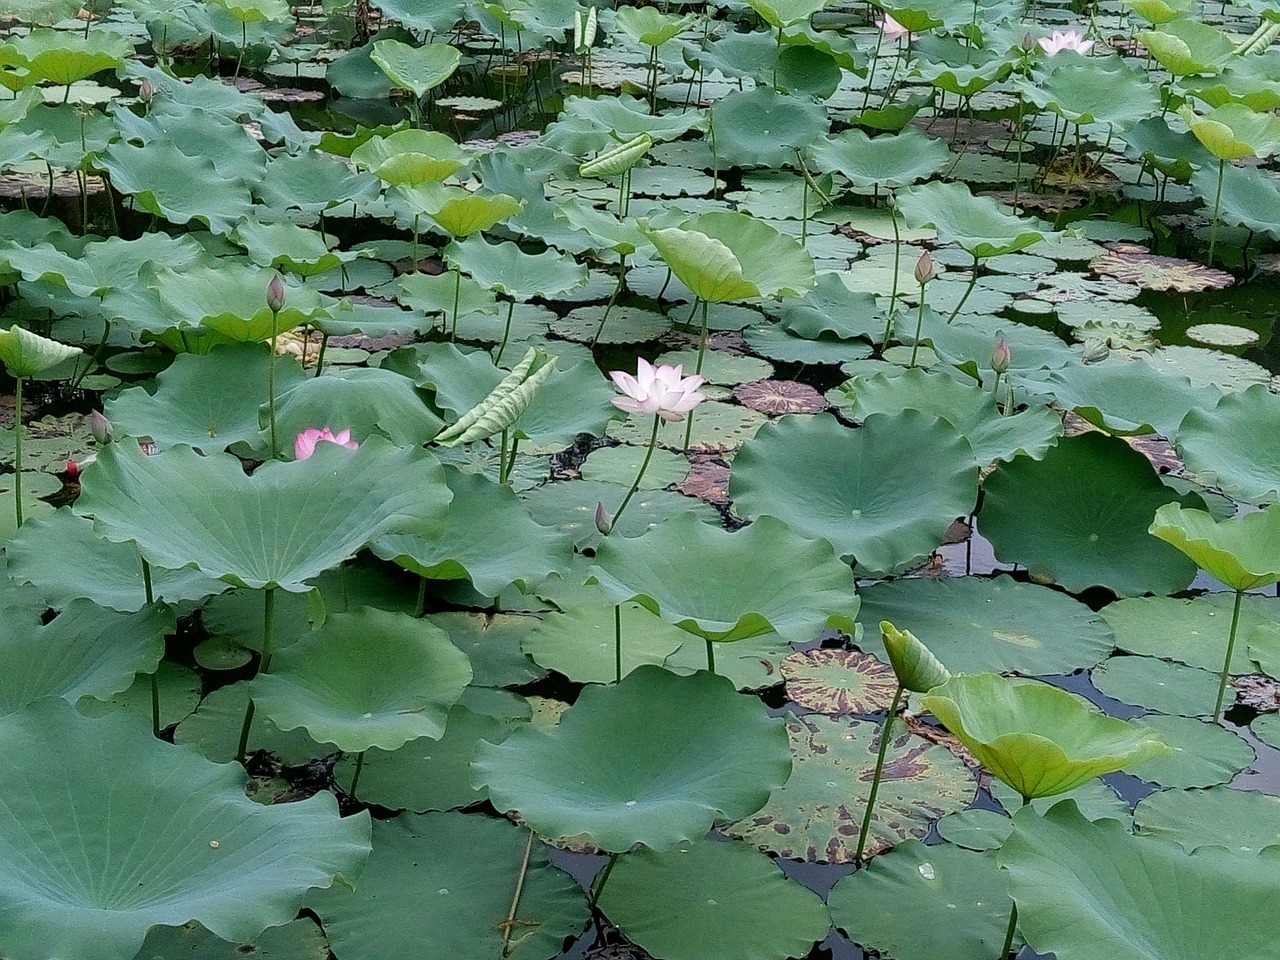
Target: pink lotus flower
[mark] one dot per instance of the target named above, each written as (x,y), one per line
(304,445)
(661,390)
(890,28)
(1071,40)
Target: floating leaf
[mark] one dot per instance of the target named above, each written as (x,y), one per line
(1243,821)
(1203,754)
(1128,396)
(1189,631)
(976,224)
(1158,685)
(838,682)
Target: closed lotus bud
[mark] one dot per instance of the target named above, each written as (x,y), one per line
(925,270)
(603,522)
(146,91)
(1028,42)
(275,294)
(100,427)
(1000,358)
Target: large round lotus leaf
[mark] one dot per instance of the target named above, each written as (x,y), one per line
(299,940)
(1193,632)
(969,340)
(1187,46)
(1243,821)
(287,523)
(996,625)
(1243,552)
(492,643)
(725,255)
(735,904)
(1233,447)
(214,730)
(1038,739)
(839,682)
(426,774)
(717,428)
(1093,90)
(363,400)
(109,574)
(884,495)
(1079,518)
(63,57)
(506,269)
(26,354)
(621,464)
(441,885)
(84,651)
(976,224)
(816,816)
(1204,753)
(365,679)
(1126,397)
(410,157)
(768,579)
(889,161)
(207,401)
(761,128)
(571,508)
(655,759)
(958,902)
(174,839)
(579,640)
(416,68)
(1159,685)
(489,539)
(1249,197)
(178,688)
(1233,131)
(979,829)
(159,177)
(1087,889)
(967,406)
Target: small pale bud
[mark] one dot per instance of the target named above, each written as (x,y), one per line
(1000,358)
(99,427)
(925,270)
(603,521)
(1028,42)
(146,91)
(275,294)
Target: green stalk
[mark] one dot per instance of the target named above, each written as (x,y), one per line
(1013,917)
(617,643)
(597,885)
(915,347)
(973,280)
(1226,664)
(622,282)
(1217,205)
(271,387)
(893,297)
(702,350)
(355,777)
(457,292)
(864,832)
(711,657)
(506,331)
(155,677)
(268,631)
(17,449)
(644,465)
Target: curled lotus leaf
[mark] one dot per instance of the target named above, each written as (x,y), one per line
(1243,552)
(26,354)
(410,157)
(504,404)
(419,69)
(977,225)
(1233,445)
(915,667)
(1036,738)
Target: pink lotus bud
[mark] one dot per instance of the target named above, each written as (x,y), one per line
(1000,358)
(925,270)
(275,294)
(99,427)
(1028,42)
(603,523)
(146,91)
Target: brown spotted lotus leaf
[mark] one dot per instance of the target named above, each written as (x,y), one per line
(1256,690)
(778,397)
(1132,263)
(816,816)
(839,682)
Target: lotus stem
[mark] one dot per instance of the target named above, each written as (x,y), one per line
(511,460)
(502,458)
(355,777)
(865,830)
(893,296)
(622,282)
(421,606)
(644,465)
(268,632)
(617,643)
(711,657)
(506,331)
(17,450)
(1013,917)
(915,346)
(271,389)
(1217,206)
(155,677)
(973,280)
(244,42)
(324,342)
(1226,664)
(871,76)
(515,898)
(597,885)
(702,350)
(457,293)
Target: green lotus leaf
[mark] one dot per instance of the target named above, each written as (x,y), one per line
(1078,518)
(299,940)
(967,406)
(884,495)
(1185,47)
(1082,887)
(771,579)
(614,119)
(1176,155)
(504,404)
(976,224)
(1160,686)
(506,269)
(1092,90)
(1159,11)
(255,11)
(1242,821)
(109,574)
(1126,397)
(763,128)
(1204,753)
(964,79)
(492,642)
(1248,80)
(1189,631)
(1249,197)
(410,157)
(236,866)
(312,182)
(1243,552)
(653,760)
(649,25)
(368,678)
(1232,445)
(771,915)
(836,757)
(620,159)
(888,161)
(214,729)
(26,354)
(286,524)
(363,400)
(441,885)
(64,57)
(958,898)
(232,300)
(159,177)
(831,309)
(1232,131)
(457,212)
(102,265)
(784,13)
(1036,738)
(489,539)
(915,666)
(731,256)
(434,294)
(416,68)
(291,247)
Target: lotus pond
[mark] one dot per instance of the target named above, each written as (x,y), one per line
(728,481)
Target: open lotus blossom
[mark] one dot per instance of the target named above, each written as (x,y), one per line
(890,28)
(661,390)
(304,445)
(1070,40)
